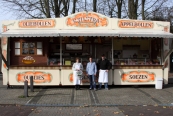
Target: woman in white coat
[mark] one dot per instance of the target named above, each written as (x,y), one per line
(77,71)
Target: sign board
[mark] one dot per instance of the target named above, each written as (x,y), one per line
(135,24)
(138,76)
(87,20)
(38,77)
(37,23)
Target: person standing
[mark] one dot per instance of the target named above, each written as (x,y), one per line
(77,73)
(103,65)
(91,70)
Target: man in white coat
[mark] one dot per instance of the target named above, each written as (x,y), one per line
(103,65)
(77,73)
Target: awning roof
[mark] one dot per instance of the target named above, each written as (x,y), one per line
(87,32)
(144,33)
(63,33)
(67,33)
(30,33)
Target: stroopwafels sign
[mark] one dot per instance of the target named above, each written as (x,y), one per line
(138,76)
(87,20)
(135,24)
(38,77)
(37,23)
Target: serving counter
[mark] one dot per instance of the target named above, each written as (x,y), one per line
(138,74)
(67,76)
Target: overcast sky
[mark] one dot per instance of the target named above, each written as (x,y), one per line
(5,16)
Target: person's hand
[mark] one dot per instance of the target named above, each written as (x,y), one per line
(107,70)
(95,75)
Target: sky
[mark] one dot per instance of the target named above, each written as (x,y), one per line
(5,16)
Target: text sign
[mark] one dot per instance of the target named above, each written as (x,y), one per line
(135,24)
(87,20)
(37,24)
(38,77)
(138,76)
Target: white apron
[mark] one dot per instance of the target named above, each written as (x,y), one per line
(103,76)
(76,80)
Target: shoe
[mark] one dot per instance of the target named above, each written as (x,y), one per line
(95,89)
(90,88)
(76,87)
(106,89)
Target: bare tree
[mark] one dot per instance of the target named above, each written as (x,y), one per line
(74,6)
(57,8)
(119,7)
(36,8)
(143,9)
(95,5)
(66,4)
(132,8)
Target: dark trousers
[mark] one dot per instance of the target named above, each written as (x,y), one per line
(77,87)
(92,81)
(106,85)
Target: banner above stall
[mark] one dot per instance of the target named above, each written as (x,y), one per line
(87,20)
(86,24)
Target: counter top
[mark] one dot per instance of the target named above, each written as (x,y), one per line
(137,66)
(70,67)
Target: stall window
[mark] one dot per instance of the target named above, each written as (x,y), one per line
(17,48)
(39,48)
(28,48)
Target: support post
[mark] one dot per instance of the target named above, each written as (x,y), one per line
(31,84)
(112,60)
(60,60)
(26,88)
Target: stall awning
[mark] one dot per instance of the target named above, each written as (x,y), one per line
(31,33)
(144,33)
(63,33)
(66,33)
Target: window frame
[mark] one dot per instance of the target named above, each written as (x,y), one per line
(35,48)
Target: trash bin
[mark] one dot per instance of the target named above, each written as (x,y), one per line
(159,83)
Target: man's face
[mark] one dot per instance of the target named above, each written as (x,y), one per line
(103,57)
(90,59)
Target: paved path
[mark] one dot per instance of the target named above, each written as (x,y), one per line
(18,110)
(119,100)
(142,95)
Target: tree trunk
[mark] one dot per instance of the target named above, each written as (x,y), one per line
(57,4)
(119,5)
(47,8)
(135,12)
(132,8)
(143,11)
(74,6)
(66,7)
(95,5)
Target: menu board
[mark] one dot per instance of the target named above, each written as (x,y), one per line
(73,46)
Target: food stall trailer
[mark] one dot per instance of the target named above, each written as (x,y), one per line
(46,49)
